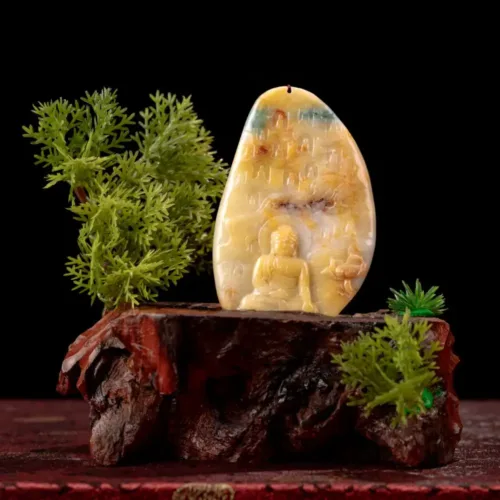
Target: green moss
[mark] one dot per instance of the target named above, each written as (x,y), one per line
(427,398)
(394,365)
(418,302)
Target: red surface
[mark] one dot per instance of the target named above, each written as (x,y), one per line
(44,454)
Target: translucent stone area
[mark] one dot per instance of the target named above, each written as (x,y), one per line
(295,229)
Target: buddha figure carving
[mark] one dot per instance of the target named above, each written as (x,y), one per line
(295,230)
(281,279)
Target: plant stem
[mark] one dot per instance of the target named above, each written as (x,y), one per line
(121,308)
(81,194)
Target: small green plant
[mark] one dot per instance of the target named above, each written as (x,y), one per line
(393,365)
(418,302)
(145,211)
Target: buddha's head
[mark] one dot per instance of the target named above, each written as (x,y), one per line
(284,241)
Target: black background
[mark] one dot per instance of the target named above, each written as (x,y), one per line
(413,110)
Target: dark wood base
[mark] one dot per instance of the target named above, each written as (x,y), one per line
(192,382)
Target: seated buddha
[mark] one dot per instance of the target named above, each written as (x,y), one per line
(281,279)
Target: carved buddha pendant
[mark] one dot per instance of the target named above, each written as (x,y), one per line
(295,230)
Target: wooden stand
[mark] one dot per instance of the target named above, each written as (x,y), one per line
(193,382)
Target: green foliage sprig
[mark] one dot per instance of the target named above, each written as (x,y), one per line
(145,212)
(418,302)
(391,366)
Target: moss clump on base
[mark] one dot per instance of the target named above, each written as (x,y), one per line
(393,365)
(418,302)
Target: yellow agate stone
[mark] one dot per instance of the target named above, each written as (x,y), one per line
(295,230)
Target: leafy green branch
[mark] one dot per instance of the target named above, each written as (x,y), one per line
(146,212)
(393,365)
(418,302)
